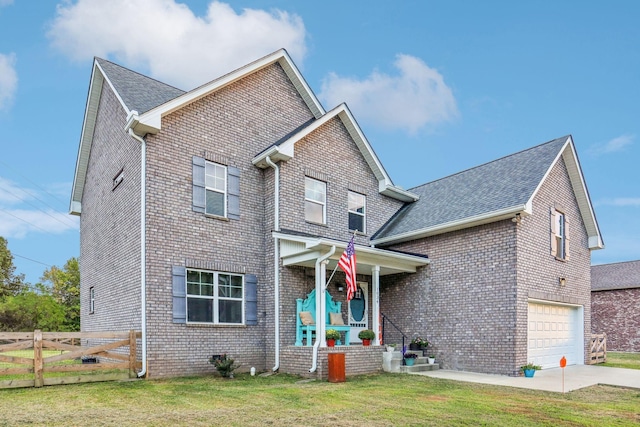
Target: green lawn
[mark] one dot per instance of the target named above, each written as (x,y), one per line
(376,400)
(617,359)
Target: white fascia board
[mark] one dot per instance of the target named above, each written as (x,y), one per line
(86,137)
(397,192)
(313,243)
(151,121)
(275,153)
(473,221)
(113,89)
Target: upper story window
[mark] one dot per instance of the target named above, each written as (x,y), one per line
(214,297)
(216,189)
(315,201)
(92,300)
(559,235)
(357,206)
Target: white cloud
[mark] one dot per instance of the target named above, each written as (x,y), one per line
(176,46)
(411,100)
(24,210)
(8,80)
(614,145)
(621,201)
(5,2)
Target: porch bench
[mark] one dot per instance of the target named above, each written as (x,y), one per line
(308,305)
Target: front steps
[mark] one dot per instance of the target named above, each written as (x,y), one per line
(392,362)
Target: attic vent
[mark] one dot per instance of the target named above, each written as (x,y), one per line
(118,179)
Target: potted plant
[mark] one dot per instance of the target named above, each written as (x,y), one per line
(410,358)
(366,335)
(431,359)
(391,347)
(418,343)
(332,335)
(529,369)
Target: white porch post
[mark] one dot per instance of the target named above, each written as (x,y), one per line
(375,285)
(320,311)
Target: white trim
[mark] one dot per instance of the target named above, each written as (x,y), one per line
(473,221)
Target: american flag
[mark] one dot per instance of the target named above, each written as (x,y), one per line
(347,263)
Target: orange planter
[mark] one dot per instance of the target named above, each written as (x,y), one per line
(366,342)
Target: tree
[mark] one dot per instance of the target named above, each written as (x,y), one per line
(32,308)
(10,283)
(65,289)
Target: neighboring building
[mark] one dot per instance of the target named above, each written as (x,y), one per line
(205,214)
(615,304)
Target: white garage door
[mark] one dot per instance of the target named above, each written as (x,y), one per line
(555,331)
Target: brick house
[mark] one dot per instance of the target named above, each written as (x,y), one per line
(205,214)
(615,304)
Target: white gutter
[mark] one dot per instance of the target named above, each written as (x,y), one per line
(276,261)
(143,250)
(320,286)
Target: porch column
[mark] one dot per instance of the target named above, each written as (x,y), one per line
(321,310)
(375,290)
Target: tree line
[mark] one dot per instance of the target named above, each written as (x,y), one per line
(53,304)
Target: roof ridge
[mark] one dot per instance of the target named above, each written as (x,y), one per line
(490,162)
(615,263)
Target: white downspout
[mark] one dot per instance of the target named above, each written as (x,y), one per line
(321,276)
(276,261)
(143,250)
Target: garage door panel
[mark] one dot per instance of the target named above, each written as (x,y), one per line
(552,334)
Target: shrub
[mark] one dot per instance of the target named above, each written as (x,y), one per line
(224,365)
(332,334)
(366,334)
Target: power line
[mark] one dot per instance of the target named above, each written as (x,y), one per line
(37,185)
(38,208)
(29,259)
(24,220)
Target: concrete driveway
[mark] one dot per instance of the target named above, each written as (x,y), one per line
(575,377)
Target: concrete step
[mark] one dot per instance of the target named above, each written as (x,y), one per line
(422,367)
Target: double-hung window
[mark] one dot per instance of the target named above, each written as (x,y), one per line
(559,235)
(92,300)
(357,205)
(216,189)
(214,297)
(315,201)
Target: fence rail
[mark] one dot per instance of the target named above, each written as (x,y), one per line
(54,352)
(598,349)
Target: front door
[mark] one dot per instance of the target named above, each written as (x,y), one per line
(359,311)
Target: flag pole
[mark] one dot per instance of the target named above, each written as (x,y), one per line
(336,267)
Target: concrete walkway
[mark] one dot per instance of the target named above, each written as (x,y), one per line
(575,377)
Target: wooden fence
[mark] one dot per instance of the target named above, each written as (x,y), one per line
(598,349)
(55,352)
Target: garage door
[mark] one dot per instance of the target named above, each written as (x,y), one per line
(555,331)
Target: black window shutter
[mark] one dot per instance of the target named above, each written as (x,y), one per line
(198,184)
(233,201)
(251,299)
(178,277)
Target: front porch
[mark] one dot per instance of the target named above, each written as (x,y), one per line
(358,360)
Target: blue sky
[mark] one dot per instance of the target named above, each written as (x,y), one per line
(437,86)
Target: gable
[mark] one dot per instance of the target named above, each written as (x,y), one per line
(284,150)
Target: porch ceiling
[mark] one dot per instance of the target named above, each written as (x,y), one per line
(304,251)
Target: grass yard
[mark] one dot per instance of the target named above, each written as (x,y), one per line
(377,400)
(616,359)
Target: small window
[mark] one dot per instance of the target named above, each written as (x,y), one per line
(117,180)
(214,297)
(559,235)
(216,189)
(92,300)
(315,201)
(357,205)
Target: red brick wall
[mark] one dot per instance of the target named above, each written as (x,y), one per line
(617,313)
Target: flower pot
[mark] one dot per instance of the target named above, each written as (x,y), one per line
(529,372)
(331,342)
(431,360)
(409,362)
(366,342)
(391,349)
(414,347)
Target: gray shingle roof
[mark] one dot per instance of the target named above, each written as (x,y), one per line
(500,184)
(138,92)
(621,275)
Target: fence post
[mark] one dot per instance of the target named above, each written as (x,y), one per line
(132,354)
(37,358)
